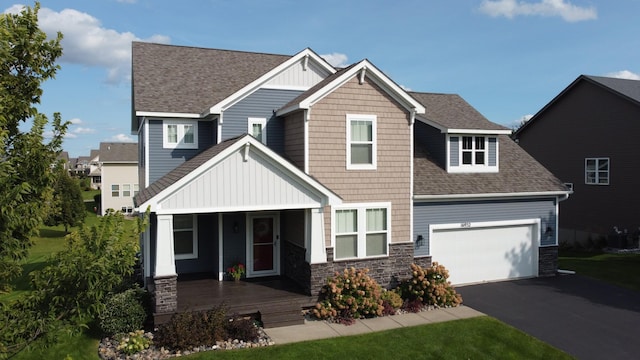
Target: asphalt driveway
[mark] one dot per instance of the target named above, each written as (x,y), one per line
(586,318)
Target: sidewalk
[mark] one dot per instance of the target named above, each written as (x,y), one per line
(318,329)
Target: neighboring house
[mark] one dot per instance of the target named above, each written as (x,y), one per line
(119,176)
(95,169)
(298,169)
(586,137)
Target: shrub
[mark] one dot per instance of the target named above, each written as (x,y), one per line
(351,294)
(413,306)
(190,329)
(391,301)
(134,342)
(239,327)
(123,312)
(430,286)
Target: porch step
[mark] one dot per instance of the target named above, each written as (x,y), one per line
(283,316)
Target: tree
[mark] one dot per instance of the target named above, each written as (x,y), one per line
(27,59)
(67,207)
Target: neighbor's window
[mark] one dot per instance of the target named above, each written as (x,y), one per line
(115,190)
(361,232)
(596,171)
(136,189)
(126,190)
(258,129)
(474,150)
(185,244)
(180,134)
(361,142)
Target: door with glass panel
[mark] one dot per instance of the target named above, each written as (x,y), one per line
(263,245)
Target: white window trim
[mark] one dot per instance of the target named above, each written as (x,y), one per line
(597,159)
(259,121)
(180,144)
(124,190)
(467,168)
(361,209)
(194,254)
(114,190)
(374,148)
(474,150)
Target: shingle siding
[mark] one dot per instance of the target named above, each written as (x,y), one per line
(294,138)
(261,104)
(390,182)
(430,213)
(433,141)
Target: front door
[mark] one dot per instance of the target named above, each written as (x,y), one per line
(263,245)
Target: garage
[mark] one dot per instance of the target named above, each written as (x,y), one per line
(486,251)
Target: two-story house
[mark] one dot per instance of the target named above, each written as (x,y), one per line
(119,176)
(299,169)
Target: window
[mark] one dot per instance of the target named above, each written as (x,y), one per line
(115,190)
(136,189)
(596,171)
(126,190)
(361,142)
(258,129)
(473,150)
(361,232)
(185,244)
(180,134)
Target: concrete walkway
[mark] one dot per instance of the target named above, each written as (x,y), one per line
(318,329)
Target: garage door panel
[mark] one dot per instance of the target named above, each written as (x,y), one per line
(486,253)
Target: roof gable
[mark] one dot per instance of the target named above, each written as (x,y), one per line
(118,152)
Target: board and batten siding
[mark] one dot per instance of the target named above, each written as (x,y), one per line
(299,77)
(391,181)
(261,104)
(162,160)
(430,213)
(294,138)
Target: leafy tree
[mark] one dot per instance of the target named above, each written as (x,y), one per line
(27,59)
(67,206)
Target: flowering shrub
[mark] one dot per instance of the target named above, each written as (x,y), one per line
(236,271)
(430,286)
(391,301)
(349,295)
(134,342)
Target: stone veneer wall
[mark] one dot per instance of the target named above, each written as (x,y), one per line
(548,261)
(165,294)
(296,267)
(387,271)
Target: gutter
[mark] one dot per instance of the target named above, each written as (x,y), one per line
(562,195)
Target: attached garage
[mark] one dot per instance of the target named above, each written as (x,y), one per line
(486,251)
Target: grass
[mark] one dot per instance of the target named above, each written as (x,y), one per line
(89,194)
(619,269)
(476,338)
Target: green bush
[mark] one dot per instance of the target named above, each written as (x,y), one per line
(190,329)
(124,312)
(430,286)
(134,342)
(349,295)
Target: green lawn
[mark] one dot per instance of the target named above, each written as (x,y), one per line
(476,338)
(89,194)
(619,269)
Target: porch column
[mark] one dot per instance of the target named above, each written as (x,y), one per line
(165,278)
(314,242)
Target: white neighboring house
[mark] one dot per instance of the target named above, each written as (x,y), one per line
(119,176)
(95,169)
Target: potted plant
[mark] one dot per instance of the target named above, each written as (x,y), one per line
(236,271)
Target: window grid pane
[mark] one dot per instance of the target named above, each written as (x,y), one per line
(376,220)
(346,221)
(346,246)
(115,190)
(376,244)
(256,131)
(188,134)
(172,133)
(361,131)
(182,222)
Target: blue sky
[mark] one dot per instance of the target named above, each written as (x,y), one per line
(507,58)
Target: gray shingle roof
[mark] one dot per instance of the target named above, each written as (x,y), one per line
(453,112)
(182,170)
(626,87)
(169,78)
(118,152)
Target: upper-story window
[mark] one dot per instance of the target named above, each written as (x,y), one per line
(180,134)
(596,171)
(361,142)
(257,127)
(472,153)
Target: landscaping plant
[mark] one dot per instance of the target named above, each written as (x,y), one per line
(429,286)
(191,329)
(124,312)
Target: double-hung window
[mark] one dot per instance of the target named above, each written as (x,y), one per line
(257,127)
(180,134)
(361,232)
(126,190)
(474,150)
(361,142)
(115,190)
(596,171)
(185,237)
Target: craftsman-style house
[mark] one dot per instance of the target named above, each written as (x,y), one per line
(298,169)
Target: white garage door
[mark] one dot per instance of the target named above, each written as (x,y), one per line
(478,252)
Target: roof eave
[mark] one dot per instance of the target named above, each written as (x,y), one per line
(491,196)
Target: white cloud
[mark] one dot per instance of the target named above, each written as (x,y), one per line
(87,42)
(562,8)
(336,59)
(405,88)
(519,122)
(82,130)
(75,121)
(121,138)
(624,74)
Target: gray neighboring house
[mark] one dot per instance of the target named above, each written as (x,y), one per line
(298,169)
(119,176)
(586,136)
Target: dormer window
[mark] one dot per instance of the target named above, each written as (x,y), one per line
(472,153)
(180,134)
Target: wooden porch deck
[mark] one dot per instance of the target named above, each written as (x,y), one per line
(278,301)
